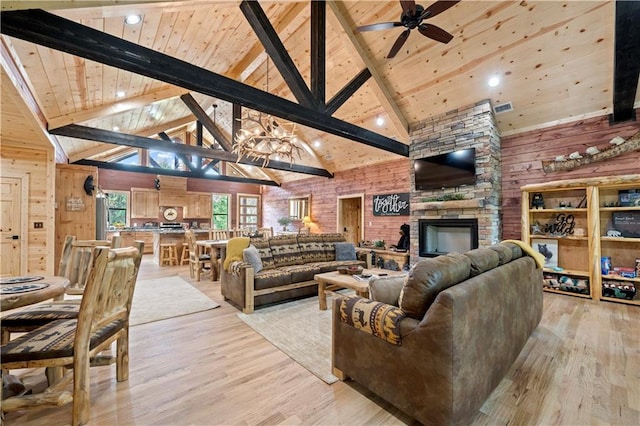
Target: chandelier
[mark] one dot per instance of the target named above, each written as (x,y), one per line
(263,137)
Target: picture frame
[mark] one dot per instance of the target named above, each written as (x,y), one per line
(549,249)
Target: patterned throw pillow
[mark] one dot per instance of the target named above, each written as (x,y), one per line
(264,250)
(378,319)
(329,241)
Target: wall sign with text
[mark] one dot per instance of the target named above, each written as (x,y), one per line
(391,204)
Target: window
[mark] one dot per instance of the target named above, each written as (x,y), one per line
(163,160)
(117,208)
(221,207)
(248,211)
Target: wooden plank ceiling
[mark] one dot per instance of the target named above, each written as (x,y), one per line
(554,59)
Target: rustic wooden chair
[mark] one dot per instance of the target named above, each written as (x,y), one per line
(266,232)
(103,318)
(32,317)
(76,259)
(218,234)
(197,260)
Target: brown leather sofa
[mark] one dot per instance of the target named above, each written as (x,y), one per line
(289,264)
(461,322)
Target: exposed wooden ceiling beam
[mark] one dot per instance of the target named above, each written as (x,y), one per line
(116,107)
(338,21)
(107,136)
(347,91)
(49,30)
(170,172)
(208,124)
(318,51)
(626,61)
(278,53)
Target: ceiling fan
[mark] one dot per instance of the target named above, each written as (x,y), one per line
(412,16)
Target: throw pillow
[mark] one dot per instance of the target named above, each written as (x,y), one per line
(345,251)
(386,289)
(252,256)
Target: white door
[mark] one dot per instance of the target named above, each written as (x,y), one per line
(10,226)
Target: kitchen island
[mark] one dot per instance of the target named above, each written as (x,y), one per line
(129,235)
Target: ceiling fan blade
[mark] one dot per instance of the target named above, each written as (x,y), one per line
(402,38)
(437,8)
(408,5)
(379,26)
(436,33)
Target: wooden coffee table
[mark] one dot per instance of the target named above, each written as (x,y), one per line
(330,281)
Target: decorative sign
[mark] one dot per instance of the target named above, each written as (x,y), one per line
(627,223)
(391,204)
(74,204)
(563,225)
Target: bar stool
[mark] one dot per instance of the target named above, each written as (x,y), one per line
(184,258)
(168,254)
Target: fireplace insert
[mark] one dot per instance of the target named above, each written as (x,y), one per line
(442,236)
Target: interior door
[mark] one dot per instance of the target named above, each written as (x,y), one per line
(350,218)
(10,226)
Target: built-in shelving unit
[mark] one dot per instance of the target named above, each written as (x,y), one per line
(569,222)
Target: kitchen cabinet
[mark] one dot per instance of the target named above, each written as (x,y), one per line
(144,203)
(173,191)
(197,206)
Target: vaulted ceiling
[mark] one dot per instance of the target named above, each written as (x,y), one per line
(555,62)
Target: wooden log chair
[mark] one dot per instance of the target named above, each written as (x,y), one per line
(197,260)
(266,232)
(76,258)
(103,318)
(34,316)
(218,234)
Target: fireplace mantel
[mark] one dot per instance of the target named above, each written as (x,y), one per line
(475,203)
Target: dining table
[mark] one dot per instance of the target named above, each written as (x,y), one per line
(213,248)
(16,292)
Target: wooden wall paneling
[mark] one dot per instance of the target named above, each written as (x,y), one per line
(384,178)
(76,211)
(522,157)
(37,167)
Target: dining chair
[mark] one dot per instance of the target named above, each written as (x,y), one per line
(218,234)
(32,317)
(266,232)
(75,261)
(197,260)
(103,318)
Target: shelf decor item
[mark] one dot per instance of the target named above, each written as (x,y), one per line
(549,249)
(284,221)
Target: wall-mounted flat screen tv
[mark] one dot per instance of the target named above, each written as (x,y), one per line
(448,170)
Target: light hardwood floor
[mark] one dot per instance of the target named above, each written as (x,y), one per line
(581,366)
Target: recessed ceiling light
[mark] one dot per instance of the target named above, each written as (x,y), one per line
(133,19)
(116,128)
(379,121)
(120,94)
(316,144)
(494,81)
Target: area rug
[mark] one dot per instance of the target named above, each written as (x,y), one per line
(300,330)
(161,298)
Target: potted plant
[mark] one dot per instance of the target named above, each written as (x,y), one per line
(284,221)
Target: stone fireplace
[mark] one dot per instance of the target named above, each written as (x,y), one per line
(452,219)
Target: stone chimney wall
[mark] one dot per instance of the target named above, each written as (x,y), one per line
(470,127)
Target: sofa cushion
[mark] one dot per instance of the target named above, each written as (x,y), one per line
(482,260)
(333,265)
(252,256)
(386,289)
(504,253)
(378,319)
(429,277)
(329,241)
(264,249)
(516,251)
(301,273)
(285,250)
(345,251)
(311,248)
(269,278)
